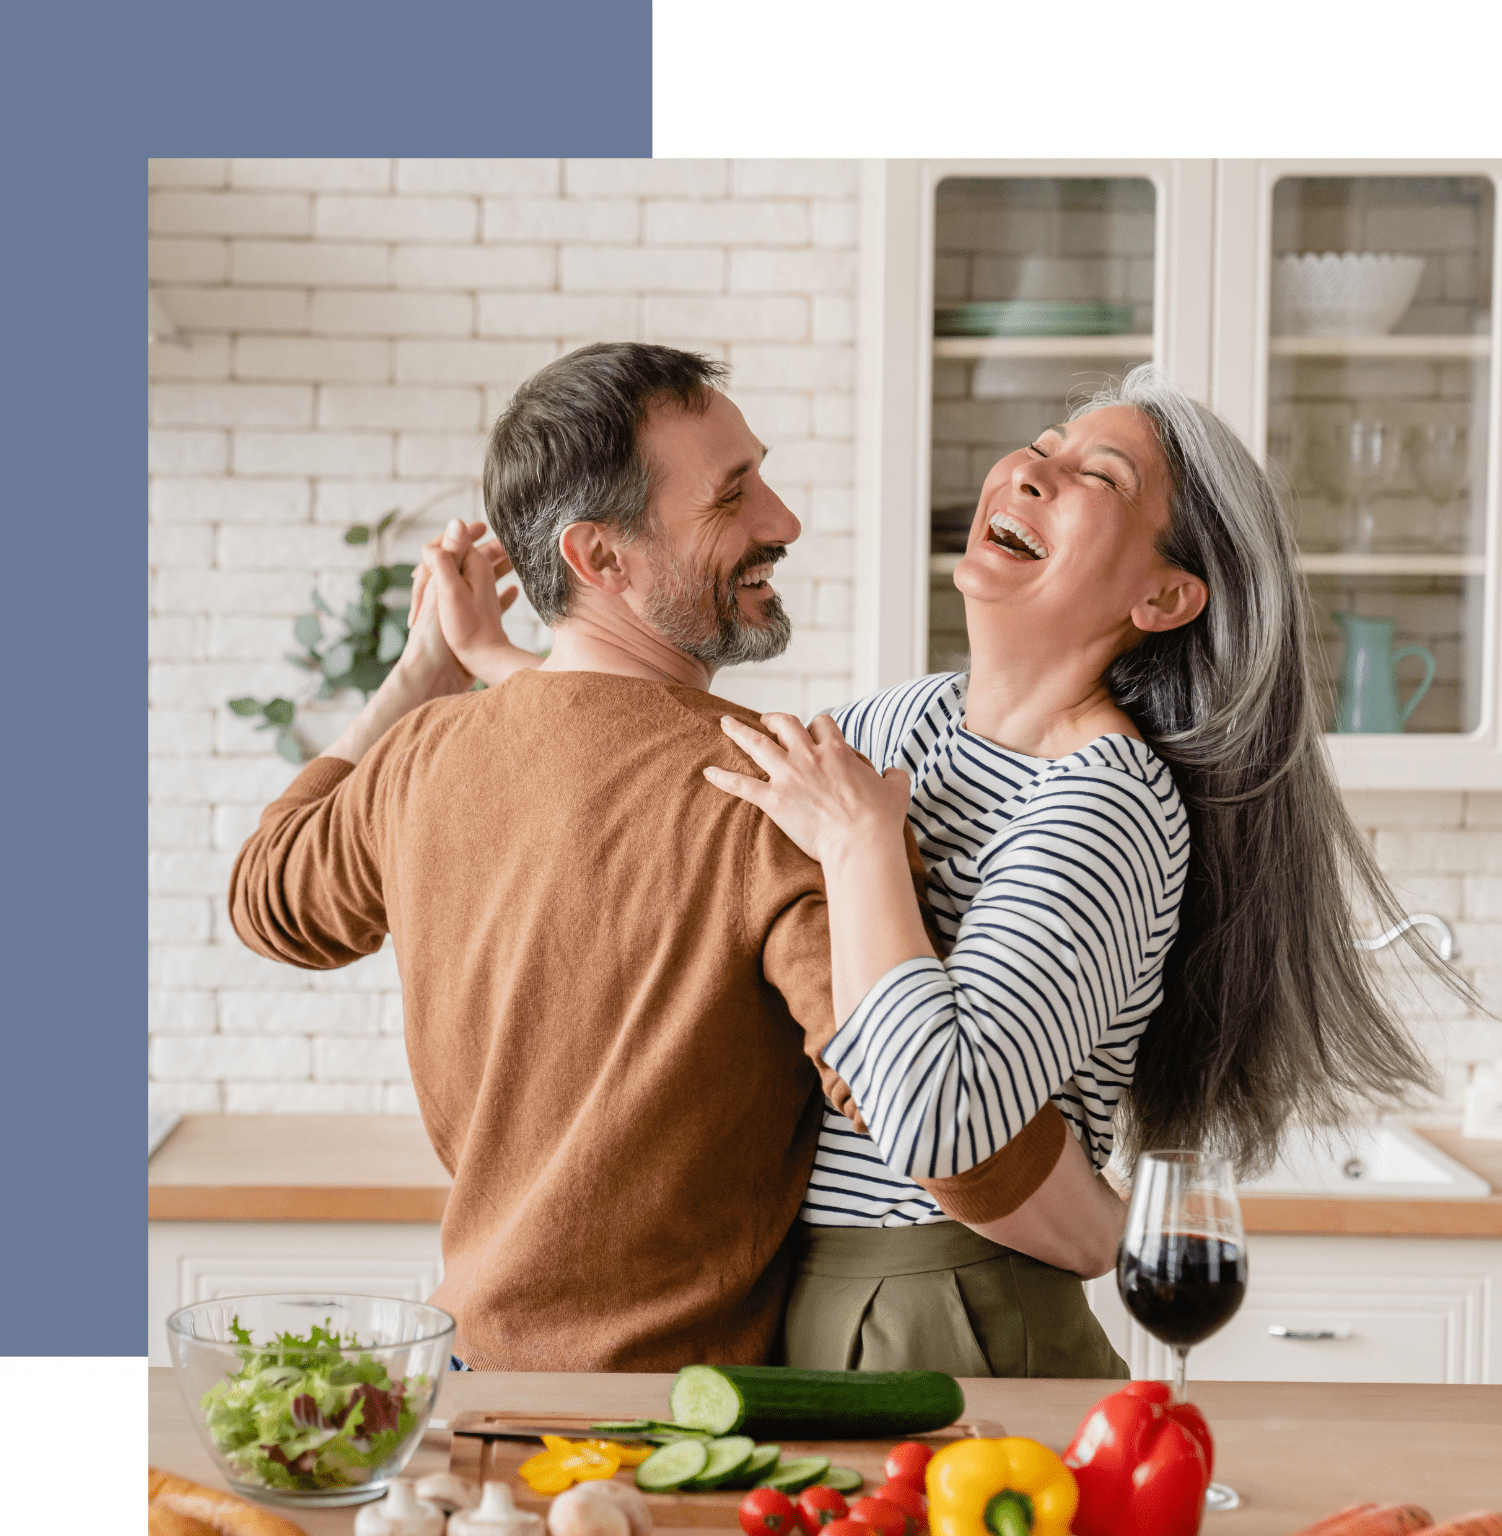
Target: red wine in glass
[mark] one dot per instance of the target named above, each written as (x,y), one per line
(1182,1268)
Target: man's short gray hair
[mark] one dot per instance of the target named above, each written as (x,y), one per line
(565,451)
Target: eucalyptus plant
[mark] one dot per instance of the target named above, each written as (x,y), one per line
(355,650)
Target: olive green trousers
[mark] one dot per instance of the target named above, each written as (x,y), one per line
(936,1298)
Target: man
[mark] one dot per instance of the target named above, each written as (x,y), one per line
(615,978)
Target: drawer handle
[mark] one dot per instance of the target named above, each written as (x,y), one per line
(1279,1332)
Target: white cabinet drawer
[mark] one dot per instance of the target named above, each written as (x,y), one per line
(192,1261)
(1402,1309)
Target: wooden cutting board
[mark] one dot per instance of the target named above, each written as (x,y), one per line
(482,1459)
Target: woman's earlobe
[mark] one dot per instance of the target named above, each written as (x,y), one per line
(1176,605)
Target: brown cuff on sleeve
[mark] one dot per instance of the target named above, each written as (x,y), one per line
(996,1187)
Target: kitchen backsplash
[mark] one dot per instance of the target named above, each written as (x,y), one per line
(354,327)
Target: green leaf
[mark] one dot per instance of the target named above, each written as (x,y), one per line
(280,711)
(289,746)
(308,630)
(245,706)
(368,674)
(337,661)
(401,575)
(387,521)
(393,638)
(322,606)
(326,690)
(479,685)
(360,618)
(359,534)
(375,580)
(307,660)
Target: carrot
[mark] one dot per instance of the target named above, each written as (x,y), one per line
(1370,1520)
(1336,1521)
(1480,1522)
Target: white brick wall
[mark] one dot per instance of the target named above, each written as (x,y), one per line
(355,325)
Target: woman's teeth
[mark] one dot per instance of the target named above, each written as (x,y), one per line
(1012,536)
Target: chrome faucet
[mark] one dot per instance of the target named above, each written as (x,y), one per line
(1446,944)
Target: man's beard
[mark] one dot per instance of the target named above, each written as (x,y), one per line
(699,612)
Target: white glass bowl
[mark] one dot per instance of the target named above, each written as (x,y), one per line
(1355,293)
(309,1399)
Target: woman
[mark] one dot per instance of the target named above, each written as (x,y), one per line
(1136,857)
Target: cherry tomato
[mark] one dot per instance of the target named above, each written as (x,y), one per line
(908,1463)
(882,1518)
(909,1501)
(847,1528)
(767,1512)
(818,1506)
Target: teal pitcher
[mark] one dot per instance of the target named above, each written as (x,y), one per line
(1368,698)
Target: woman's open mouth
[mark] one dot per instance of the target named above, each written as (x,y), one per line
(1017,539)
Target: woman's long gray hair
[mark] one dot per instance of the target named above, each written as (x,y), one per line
(1269,1013)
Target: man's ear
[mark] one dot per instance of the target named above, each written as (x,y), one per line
(592,553)
(1179,601)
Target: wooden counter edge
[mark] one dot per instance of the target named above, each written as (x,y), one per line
(250,1202)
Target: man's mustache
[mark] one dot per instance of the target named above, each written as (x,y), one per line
(762,554)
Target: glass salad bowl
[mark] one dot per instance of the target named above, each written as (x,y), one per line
(310,1399)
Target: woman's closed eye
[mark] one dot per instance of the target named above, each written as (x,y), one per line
(1098,474)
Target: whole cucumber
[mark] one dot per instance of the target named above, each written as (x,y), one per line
(775,1402)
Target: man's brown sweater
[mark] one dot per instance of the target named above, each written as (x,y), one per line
(616,982)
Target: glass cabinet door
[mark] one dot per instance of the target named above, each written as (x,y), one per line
(1379,358)
(1044,286)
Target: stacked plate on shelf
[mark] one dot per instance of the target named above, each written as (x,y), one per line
(1033,317)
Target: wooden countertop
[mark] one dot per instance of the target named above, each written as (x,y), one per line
(297,1168)
(1294,1451)
(381,1168)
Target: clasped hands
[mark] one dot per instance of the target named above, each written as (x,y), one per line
(454,619)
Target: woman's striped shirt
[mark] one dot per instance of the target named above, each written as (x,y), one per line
(1056,885)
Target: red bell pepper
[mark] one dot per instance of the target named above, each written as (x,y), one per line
(1142,1464)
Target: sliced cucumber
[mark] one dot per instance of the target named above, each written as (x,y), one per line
(621,1426)
(727,1456)
(763,1459)
(843,1479)
(706,1398)
(670,1466)
(800,1473)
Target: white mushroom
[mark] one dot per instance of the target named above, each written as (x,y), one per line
(448,1491)
(400,1513)
(496,1516)
(587,1510)
(627,1496)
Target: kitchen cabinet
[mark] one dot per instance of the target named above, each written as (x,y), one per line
(1384,445)
(1349,1309)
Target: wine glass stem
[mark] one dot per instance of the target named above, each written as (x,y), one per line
(1180,1366)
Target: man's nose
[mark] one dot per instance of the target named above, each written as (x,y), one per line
(774,522)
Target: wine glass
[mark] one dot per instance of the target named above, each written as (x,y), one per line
(1353,460)
(1441,460)
(1181,1270)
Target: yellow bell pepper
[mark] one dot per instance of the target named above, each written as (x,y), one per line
(1011,1487)
(630,1453)
(566,1462)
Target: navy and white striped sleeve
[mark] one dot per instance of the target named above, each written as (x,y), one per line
(1077,906)
(889,727)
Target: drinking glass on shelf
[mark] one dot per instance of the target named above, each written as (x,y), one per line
(1181,1269)
(1376,455)
(1441,461)
(1353,460)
